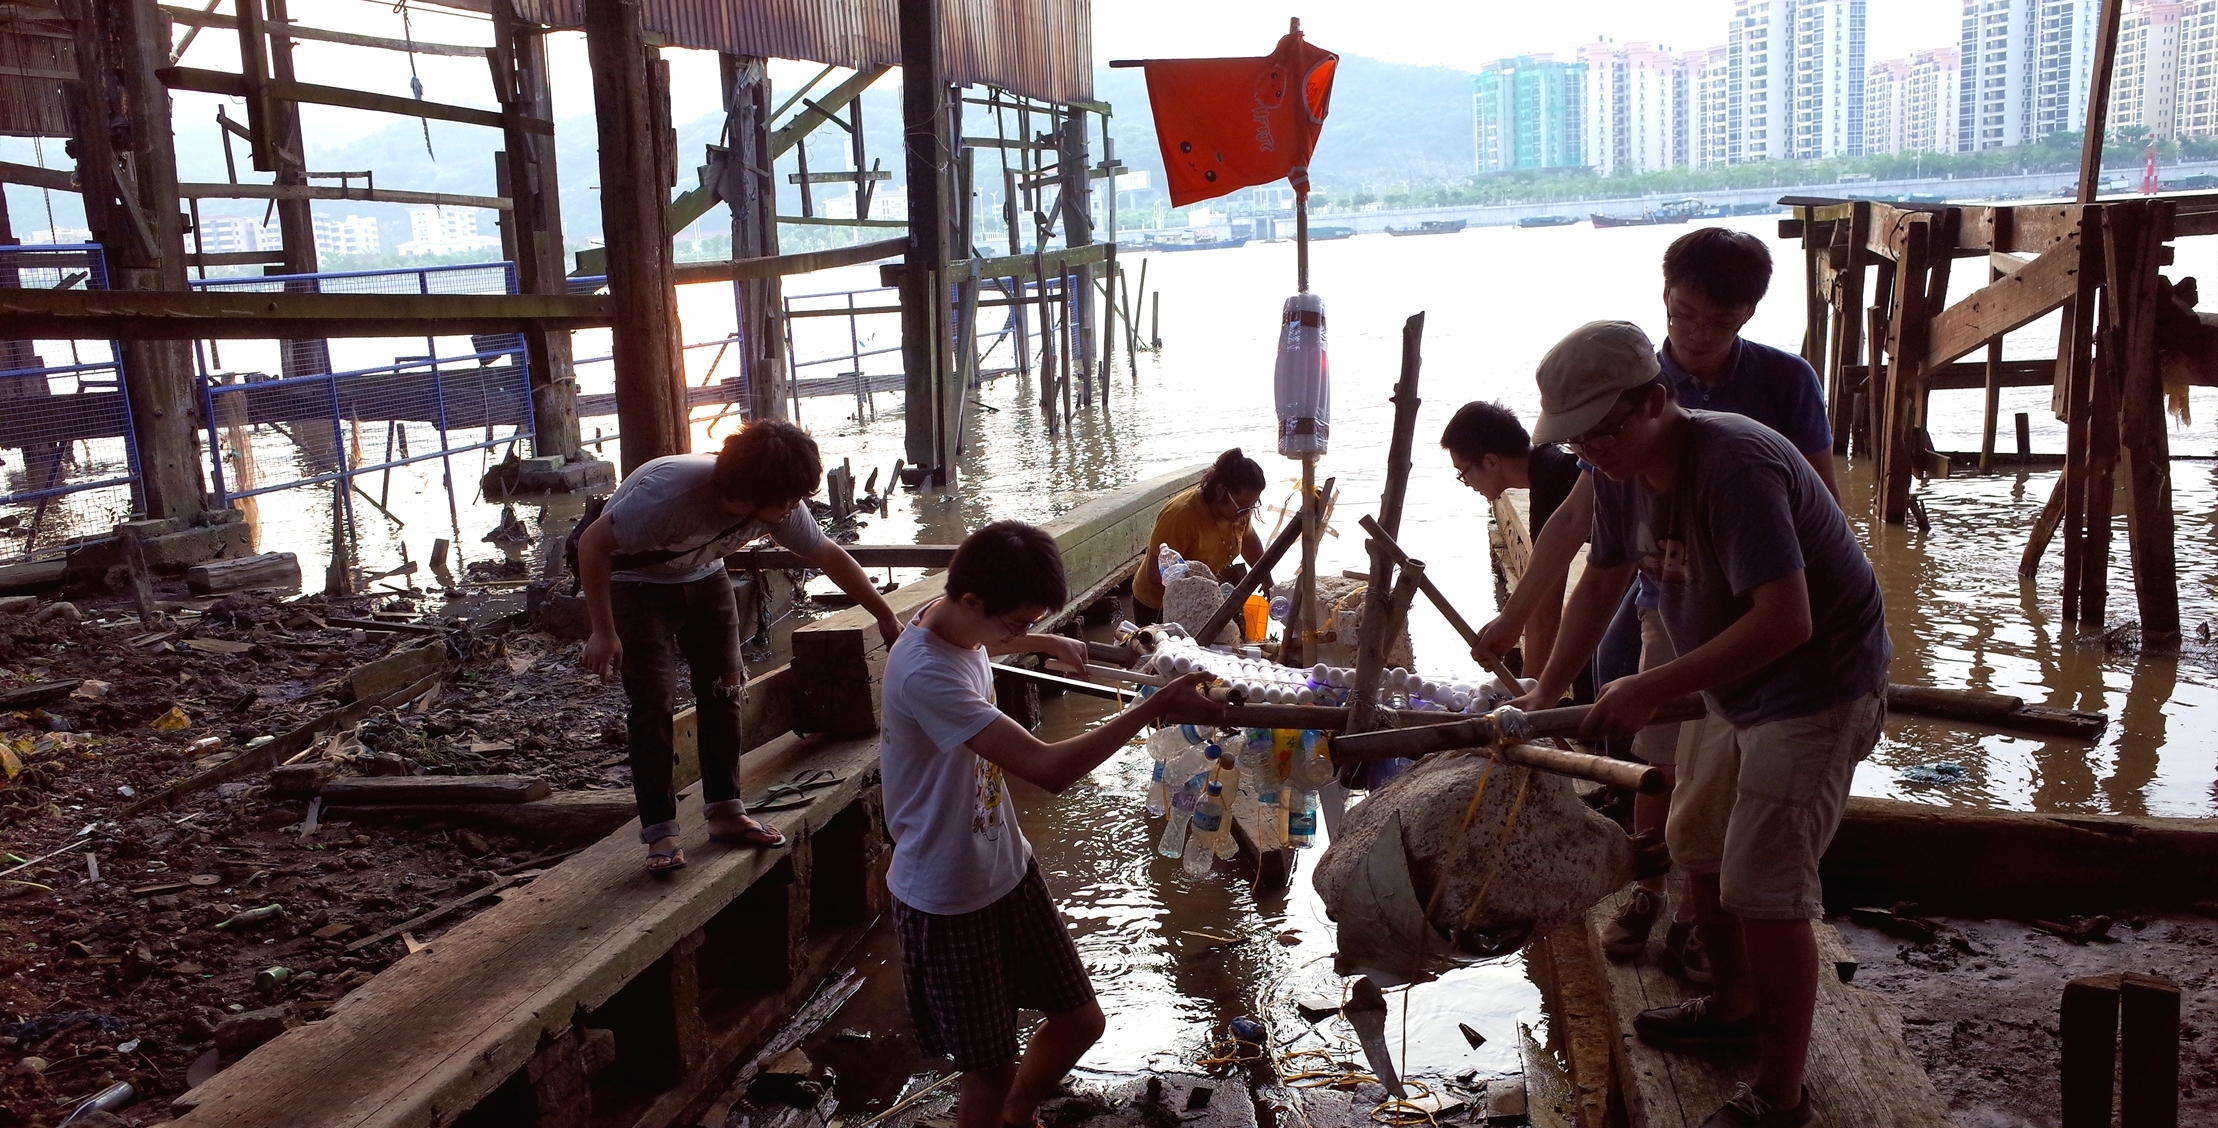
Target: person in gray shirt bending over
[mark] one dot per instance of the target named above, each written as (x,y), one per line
(652,566)
(1775,615)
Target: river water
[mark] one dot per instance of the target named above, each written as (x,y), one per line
(1495,299)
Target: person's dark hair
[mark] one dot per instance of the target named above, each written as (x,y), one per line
(1232,473)
(1731,268)
(1480,429)
(1008,565)
(768,462)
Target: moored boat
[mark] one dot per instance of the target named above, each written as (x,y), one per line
(1548,221)
(1430,227)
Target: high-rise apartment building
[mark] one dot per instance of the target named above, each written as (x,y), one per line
(2024,70)
(1529,113)
(1826,94)
(1760,63)
(1709,106)
(2063,54)
(1635,107)
(2195,113)
(2144,83)
(1887,107)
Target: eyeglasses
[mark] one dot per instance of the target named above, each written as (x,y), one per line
(1463,475)
(1017,629)
(1715,326)
(1606,432)
(1247,509)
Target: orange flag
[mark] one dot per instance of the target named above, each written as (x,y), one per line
(1225,124)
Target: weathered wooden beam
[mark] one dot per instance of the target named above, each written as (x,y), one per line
(58,179)
(145,315)
(208,190)
(820,110)
(217,82)
(195,17)
(2006,304)
(776,266)
(532,227)
(434,789)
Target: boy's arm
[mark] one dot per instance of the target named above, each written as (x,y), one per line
(1777,621)
(1063,650)
(1056,766)
(604,654)
(842,570)
(1822,462)
(1544,575)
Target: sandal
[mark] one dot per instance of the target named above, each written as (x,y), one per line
(671,861)
(795,792)
(760,834)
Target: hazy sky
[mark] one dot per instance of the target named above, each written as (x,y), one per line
(1453,33)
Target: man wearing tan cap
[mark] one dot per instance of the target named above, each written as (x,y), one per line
(1776,618)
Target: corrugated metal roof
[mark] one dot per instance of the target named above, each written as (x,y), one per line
(31,40)
(1038,48)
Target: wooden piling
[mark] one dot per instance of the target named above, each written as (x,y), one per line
(629,79)
(924,308)
(2135,256)
(753,202)
(533,223)
(2088,1026)
(131,204)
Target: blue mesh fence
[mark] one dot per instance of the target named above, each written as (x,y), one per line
(435,397)
(68,458)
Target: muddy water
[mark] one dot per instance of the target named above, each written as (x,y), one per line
(1495,299)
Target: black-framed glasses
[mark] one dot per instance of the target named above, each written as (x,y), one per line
(1607,431)
(1017,629)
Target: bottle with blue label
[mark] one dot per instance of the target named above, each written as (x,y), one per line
(1208,823)
(1182,806)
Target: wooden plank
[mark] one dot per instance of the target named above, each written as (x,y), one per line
(1860,1074)
(1968,375)
(268,569)
(2006,304)
(58,179)
(223,191)
(775,266)
(195,17)
(373,680)
(217,82)
(434,1034)
(819,111)
(434,789)
(155,315)
(2016,863)
(1580,1001)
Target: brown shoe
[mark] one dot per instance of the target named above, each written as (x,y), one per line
(1627,933)
(1684,954)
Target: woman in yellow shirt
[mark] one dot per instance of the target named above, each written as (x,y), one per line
(1208,523)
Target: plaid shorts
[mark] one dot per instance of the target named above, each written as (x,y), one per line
(968,975)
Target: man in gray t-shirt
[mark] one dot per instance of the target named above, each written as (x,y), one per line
(1775,615)
(652,568)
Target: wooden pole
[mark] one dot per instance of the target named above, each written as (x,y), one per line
(1848,320)
(1994,395)
(520,82)
(753,201)
(1893,397)
(2148,1051)
(2087,1023)
(1470,635)
(131,204)
(1477,732)
(1076,187)
(924,320)
(1302,623)
(1814,295)
(635,217)
(2142,428)
(1301,241)
(2096,124)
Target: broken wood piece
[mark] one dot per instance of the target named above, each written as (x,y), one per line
(32,696)
(436,912)
(268,569)
(386,625)
(1994,709)
(376,679)
(355,790)
(218,646)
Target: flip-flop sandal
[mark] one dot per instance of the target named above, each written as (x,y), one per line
(672,861)
(761,834)
(780,797)
(813,779)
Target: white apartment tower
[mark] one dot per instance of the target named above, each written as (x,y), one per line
(2195,114)
(1931,104)
(2064,50)
(2144,85)
(1635,108)
(1759,60)
(1994,90)
(1887,107)
(1709,105)
(1827,95)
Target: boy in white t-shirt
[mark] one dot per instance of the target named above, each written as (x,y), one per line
(980,936)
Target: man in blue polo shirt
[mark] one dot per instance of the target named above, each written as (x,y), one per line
(1713,279)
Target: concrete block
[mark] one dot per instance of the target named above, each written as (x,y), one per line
(548,465)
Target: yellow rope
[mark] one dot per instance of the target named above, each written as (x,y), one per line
(1508,824)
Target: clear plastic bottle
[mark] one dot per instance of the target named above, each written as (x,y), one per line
(1159,796)
(1183,803)
(1301,820)
(1265,779)
(1208,825)
(1310,768)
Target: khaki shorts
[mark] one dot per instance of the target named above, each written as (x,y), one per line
(1656,744)
(1758,805)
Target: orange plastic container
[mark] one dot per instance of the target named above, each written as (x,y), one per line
(1255,617)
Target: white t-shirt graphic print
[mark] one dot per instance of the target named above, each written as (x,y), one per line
(957,847)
